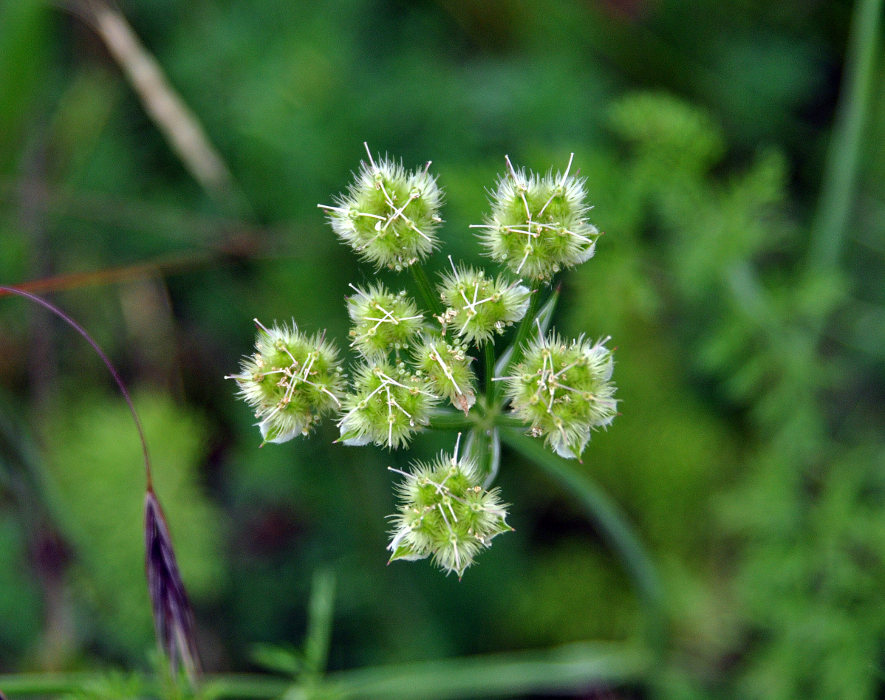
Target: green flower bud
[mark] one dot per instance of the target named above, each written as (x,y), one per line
(538,225)
(447,368)
(564,390)
(387,406)
(444,513)
(479,306)
(389,215)
(383,322)
(291,381)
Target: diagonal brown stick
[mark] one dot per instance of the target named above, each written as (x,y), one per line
(178,124)
(155,268)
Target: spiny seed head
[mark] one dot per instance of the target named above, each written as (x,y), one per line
(444,513)
(479,306)
(383,322)
(538,225)
(389,215)
(291,380)
(386,406)
(564,390)
(446,367)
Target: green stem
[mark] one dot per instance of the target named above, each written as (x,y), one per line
(525,326)
(489,352)
(840,171)
(426,289)
(443,419)
(612,524)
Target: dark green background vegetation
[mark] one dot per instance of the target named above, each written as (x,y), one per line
(749,453)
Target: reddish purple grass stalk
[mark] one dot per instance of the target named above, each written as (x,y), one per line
(173,619)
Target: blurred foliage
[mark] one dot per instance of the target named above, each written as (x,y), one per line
(95,483)
(19,594)
(749,451)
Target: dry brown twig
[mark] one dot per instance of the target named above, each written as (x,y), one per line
(179,125)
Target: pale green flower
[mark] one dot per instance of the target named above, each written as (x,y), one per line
(445,514)
(291,380)
(389,215)
(564,390)
(538,225)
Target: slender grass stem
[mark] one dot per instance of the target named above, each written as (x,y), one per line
(843,155)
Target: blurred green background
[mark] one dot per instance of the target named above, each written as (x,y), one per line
(750,333)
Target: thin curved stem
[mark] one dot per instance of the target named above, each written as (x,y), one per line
(107,363)
(613,525)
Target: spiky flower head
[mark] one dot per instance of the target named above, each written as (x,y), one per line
(291,381)
(387,406)
(389,215)
(445,514)
(446,365)
(538,225)
(383,322)
(564,390)
(479,306)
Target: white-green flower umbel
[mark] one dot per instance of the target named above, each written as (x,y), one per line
(564,390)
(444,513)
(389,215)
(538,225)
(386,407)
(446,365)
(291,380)
(383,322)
(479,306)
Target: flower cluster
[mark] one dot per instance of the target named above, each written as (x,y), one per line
(389,215)
(564,390)
(444,513)
(407,364)
(291,380)
(538,225)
